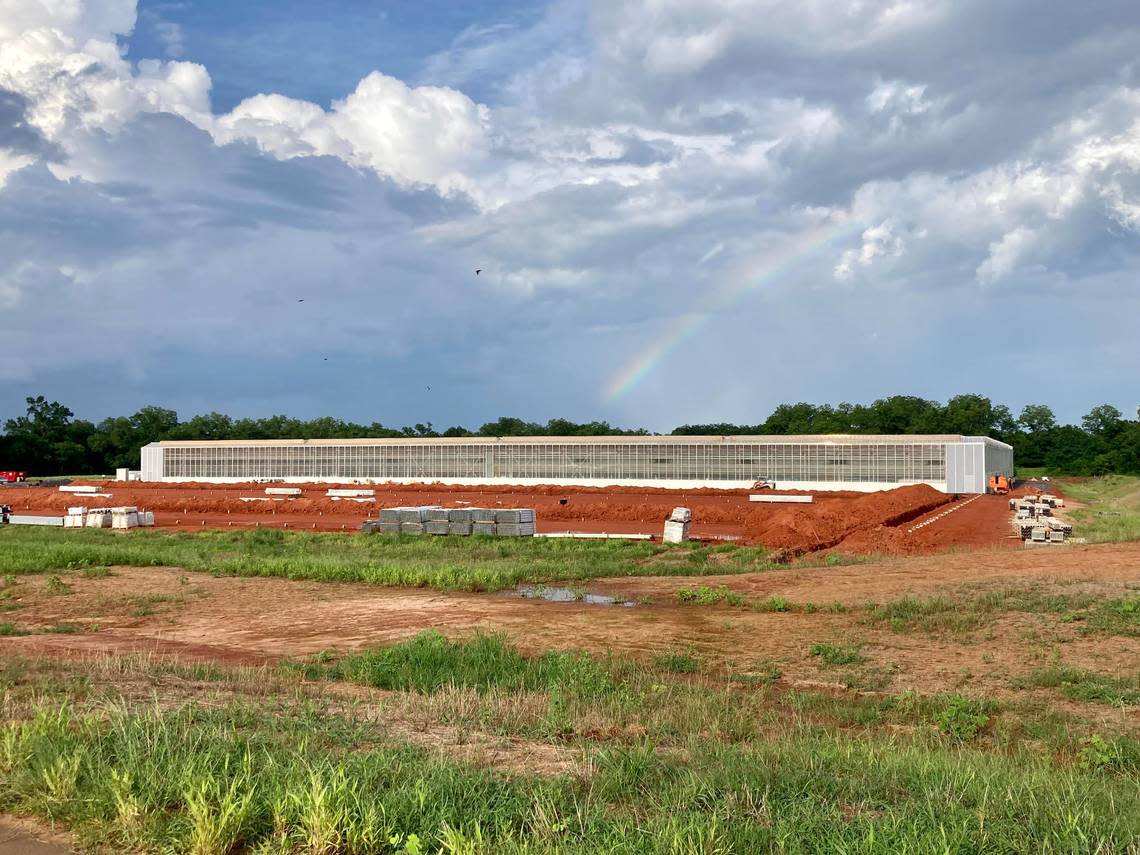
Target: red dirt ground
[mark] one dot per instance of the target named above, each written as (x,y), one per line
(849,522)
(226,619)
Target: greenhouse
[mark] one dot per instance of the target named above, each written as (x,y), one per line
(955,464)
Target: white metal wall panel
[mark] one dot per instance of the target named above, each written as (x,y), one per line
(962,467)
(152,462)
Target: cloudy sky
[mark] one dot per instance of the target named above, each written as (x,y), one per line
(683,210)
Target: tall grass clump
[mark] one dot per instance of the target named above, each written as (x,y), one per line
(430,661)
(279,779)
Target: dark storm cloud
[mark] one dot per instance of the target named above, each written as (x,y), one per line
(636,163)
(15,132)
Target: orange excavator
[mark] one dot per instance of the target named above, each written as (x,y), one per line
(999,484)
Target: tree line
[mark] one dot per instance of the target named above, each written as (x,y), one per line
(49,440)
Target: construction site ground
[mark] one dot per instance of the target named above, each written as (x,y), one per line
(166,612)
(850,523)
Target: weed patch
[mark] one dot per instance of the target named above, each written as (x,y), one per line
(962,718)
(832,654)
(678,663)
(705,596)
(1085,685)
(57,587)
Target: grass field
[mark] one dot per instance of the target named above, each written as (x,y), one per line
(447,563)
(609,755)
(1112,507)
(837,741)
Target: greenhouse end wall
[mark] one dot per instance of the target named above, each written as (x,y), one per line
(948,463)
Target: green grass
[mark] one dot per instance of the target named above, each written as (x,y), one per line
(8,628)
(705,596)
(430,662)
(1112,511)
(969,611)
(841,654)
(282,778)
(449,563)
(962,718)
(63,629)
(678,662)
(57,586)
(1112,617)
(1086,685)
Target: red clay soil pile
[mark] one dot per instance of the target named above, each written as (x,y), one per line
(800,529)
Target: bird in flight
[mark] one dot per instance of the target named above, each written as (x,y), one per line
(478,270)
(301,301)
(429,388)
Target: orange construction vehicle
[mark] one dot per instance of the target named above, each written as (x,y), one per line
(999,484)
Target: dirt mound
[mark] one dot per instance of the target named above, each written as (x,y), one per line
(823,526)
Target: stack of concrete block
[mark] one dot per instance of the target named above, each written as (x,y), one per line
(410,520)
(389,522)
(76,518)
(677,526)
(483,521)
(514,522)
(432,519)
(146,519)
(98,518)
(437,521)
(124,517)
(459,521)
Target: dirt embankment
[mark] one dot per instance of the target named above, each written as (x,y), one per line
(853,523)
(824,525)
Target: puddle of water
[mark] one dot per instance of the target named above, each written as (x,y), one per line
(568,595)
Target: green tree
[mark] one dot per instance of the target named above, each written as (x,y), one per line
(1103,421)
(970,415)
(508,426)
(116,441)
(46,441)
(208,426)
(902,414)
(1036,418)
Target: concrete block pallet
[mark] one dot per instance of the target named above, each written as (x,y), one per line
(460,522)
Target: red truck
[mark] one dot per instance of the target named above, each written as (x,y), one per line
(12,476)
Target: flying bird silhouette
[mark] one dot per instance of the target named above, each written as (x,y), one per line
(300,301)
(478,270)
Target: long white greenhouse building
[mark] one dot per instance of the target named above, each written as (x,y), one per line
(953,464)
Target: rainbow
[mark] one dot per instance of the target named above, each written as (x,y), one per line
(763,269)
